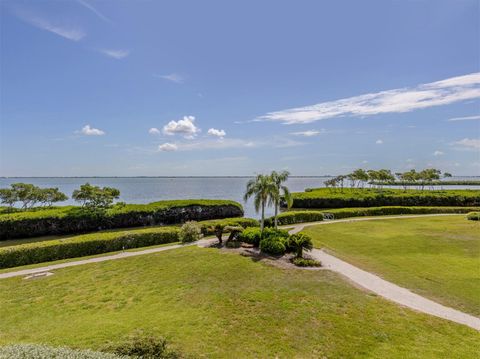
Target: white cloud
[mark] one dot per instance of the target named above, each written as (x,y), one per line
(154,131)
(167,147)
(438,153)
(94,10)
(216,133)
(466,118)
(90,131)
(438,93)
(364,161)
(379,142)
(67,32)
(173,77)
(116,54)
(308,133)
(469,143)
(185,127)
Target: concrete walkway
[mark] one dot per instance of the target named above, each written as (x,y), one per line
(358,276)
(382,287)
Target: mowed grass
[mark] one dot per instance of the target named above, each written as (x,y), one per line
(222,305)
(438,257)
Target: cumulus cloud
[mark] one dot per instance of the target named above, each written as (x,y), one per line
(167,147)
(438,153)
(468,143)
(116,54)
(154,131)
(65,31)
(379,142)
(466,118)
(90,131)
(455,89)
(185,127)
(216,133)
(173,77)
(308,133)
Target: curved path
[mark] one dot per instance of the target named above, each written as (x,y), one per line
(358,276)
(385,288)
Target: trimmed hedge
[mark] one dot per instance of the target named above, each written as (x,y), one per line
(71,219)
(473,216)
(85,245)
(292,217)
(104,242)
(328,198)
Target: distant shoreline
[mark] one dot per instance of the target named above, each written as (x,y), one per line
(319,176)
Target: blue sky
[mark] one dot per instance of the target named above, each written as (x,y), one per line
(123,88)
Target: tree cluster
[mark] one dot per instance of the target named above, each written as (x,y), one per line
(29,195)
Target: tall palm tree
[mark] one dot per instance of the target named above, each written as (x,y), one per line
(262,189)
(280,191)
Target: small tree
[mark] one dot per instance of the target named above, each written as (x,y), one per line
(26,193)
(190,232)
(8,196)
(300,242)
(94,197)
(262,189)
(48,196)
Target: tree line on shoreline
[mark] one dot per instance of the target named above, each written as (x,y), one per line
(378,178)
(29,195)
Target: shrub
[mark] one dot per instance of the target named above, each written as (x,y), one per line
(326,198)
(304,262)
(275,233)
(94,197)
(221,226)
(85,245)
(140,345)
(251,236)
(473,216)
(298,243)
(292,217)
(40,351)
(190,232)
(273,245)
(70,219)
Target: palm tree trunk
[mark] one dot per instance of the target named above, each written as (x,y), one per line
(276,214)
(263,216)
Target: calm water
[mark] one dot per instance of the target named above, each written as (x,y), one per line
(151,189)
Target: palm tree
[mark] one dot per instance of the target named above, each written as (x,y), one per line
(281,190)
(262,189)
(299,242)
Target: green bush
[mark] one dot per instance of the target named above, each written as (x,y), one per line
(209,227)
(85,245)
(473,216)
(298,243)
(71,219)
(305,262)
(140,345)
(251,235)
(40,351)
(273,245)
(292,217)
(190,232)
(348,197)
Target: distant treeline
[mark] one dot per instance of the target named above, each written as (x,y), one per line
(433,183)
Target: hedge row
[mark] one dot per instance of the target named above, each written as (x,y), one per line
(292,217)
(103,242)
(432,183)
(85,245)
(70,219)
(329,198)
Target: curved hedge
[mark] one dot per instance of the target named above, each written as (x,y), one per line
(70,219)
(292,217)
(85,245)
(103,242)
(328,198)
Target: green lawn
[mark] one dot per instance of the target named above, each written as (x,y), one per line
(222,305)
(438,257)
